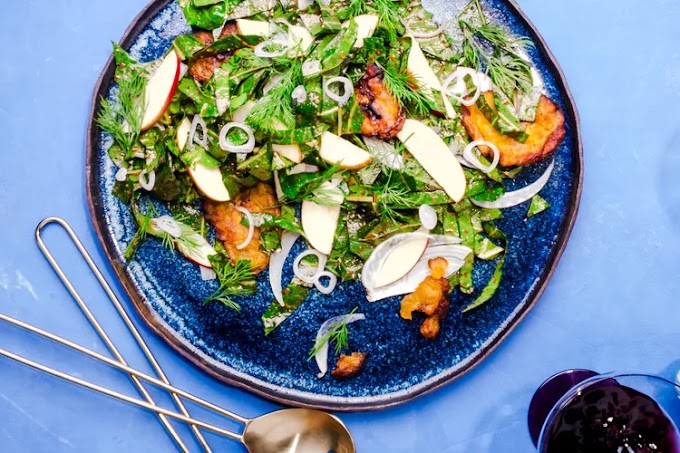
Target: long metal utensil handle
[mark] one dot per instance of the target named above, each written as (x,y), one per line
(124,316)
(92,320)
(120,396)
(95,355)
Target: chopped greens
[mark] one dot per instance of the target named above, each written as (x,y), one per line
(242,140)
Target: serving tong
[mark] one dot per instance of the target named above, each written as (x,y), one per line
(289,430)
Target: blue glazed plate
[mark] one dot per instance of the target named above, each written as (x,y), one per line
(167,290)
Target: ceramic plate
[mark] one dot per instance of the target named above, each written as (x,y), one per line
(167,290)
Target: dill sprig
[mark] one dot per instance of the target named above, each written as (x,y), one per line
(406,89)
(393,193)
(337,334)
(505,67)
(235,280)
(386,10)
(122,119)
(277,106)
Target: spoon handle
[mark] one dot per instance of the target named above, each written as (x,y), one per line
(117,305)
(134,401)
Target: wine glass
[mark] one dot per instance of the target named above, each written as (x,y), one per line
(580,411)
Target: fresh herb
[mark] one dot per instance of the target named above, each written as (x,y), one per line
(307,186)
(387,10)
(508,71)
(235,280)
(143,229)
(338,334)
(407,89)
(122,119)
(276,108)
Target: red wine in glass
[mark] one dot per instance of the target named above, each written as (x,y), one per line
(606,413)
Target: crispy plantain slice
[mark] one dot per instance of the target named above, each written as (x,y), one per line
(545,134)
(227,222)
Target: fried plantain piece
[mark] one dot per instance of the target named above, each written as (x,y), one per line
(383,115)
(230,28)
(203,69)
(545,134)
(205,36)
(227,222)
(349,365)
(430,298)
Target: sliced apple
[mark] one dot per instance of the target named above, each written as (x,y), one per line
(249,27)
(435,157)
(160,89)
(420,69)
(401,260)
(191,244)
(366,25)
(337,150)
(208,180)
(241,113)
(320,222)
(183,131)
(300,35)
(290,152)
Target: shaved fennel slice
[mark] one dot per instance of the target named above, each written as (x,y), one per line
(321,356)
(453,253)
(516,197)
(278,258)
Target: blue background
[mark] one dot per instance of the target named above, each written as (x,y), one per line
(611,305)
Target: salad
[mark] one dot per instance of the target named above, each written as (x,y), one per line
(377,135)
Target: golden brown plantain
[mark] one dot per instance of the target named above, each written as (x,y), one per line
(227,222)
(383,115)
(545,134)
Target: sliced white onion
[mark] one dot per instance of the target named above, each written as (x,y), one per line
(428,216)
(147,180)
(321,356)
(461,99)
(311,67)
(277,186)
(299,94)
(121,174)
(277,261)
(193,136)
(347,89)
(260,49)
(207,274)
(516,197)
(321,265)
(304,4)
(167,224)
(474,160)
(251,227)
(332,282)
(183,69)
(271,83)
(463,161)
(302,168)
(226,145)
(426,34)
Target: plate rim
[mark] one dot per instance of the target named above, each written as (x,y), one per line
(95,208)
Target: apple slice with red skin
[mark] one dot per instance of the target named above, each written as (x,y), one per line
(160,89)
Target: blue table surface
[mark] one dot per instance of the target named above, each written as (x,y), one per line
(612,303)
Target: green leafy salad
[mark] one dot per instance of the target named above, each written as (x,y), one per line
(380,137)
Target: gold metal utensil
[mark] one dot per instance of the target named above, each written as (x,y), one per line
(285,430)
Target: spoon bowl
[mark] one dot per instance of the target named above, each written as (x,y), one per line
(297,431)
